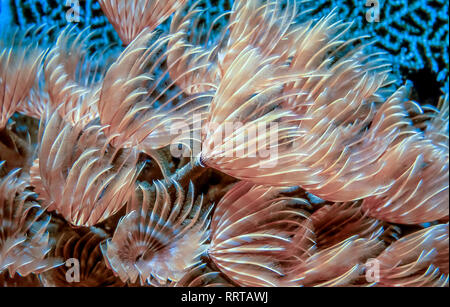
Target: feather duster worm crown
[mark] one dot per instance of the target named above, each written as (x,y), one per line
(262,238)
(78,174)
(264,26)
(24,240)
(203,275)
(130,17)
(311,164)
(140,107)
(19,66)
(133,112)
(160,237)
(339,221)
(248,96)
(340,139)
(72,77)
(83,246)
(257,236)
(419,192)
(419,259)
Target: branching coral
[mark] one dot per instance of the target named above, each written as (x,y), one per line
(414,34)
(244,127)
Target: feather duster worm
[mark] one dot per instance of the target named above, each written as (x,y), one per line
(246,132)
(194,67)
(437,126)
(334,156)
(37,101)
(257,24)
(256,237)
(418,166)
(203,275)
(78,174)
(85,247)
(130,17)
(340,221)
(19,65)
(341,144)
(24,240)
(72,80)
(132,104)
(338,146)
(261,238)
(351,152)
(263,25)
(281,103)
(339,265)
(345,239)
(417,260)
(257,88)
(160,238)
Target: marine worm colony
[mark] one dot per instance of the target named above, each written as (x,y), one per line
(248,149)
